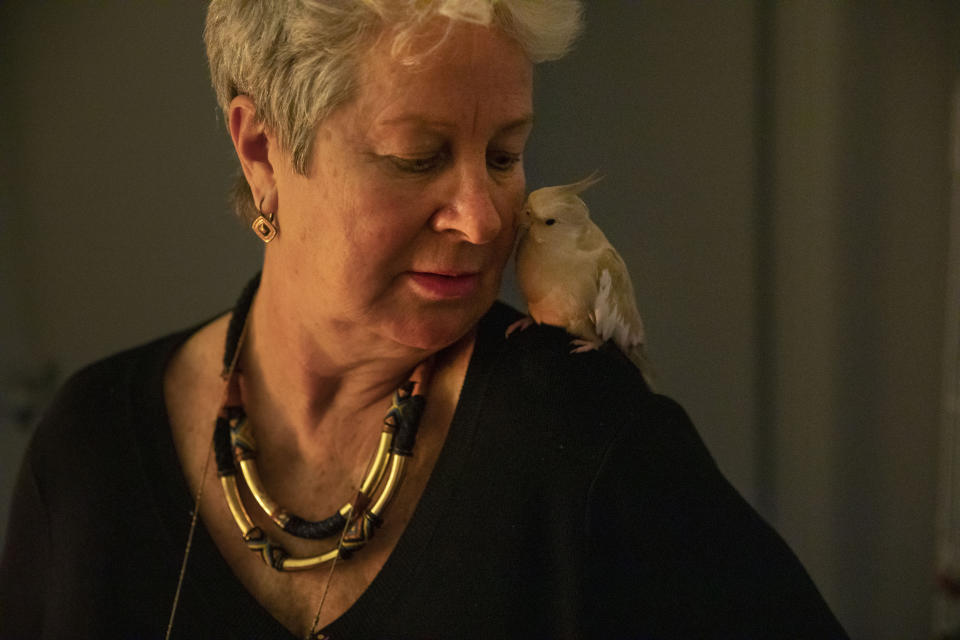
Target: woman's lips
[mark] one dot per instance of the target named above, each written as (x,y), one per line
(446,286)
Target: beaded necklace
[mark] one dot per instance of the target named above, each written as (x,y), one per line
(234,446)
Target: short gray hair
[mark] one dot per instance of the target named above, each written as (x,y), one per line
(297,59)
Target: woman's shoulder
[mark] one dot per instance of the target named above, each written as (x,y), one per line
(101,400)
(544,353)
(108,379)
(595,397)
(538,365)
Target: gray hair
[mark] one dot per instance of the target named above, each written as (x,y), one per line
(297,59)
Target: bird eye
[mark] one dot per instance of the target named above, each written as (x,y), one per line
(549,221)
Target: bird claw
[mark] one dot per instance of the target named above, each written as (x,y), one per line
(582,346)
(521,324)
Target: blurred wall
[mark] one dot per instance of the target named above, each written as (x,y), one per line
(114,226)
(856,191)
(775,176)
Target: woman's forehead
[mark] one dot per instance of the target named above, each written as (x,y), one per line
(469,68)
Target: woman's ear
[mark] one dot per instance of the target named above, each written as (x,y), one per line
(252,140)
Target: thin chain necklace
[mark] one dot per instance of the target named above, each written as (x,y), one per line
(233,444)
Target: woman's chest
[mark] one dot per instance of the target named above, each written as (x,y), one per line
(309,600)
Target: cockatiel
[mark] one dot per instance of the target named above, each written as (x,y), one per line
(572,277)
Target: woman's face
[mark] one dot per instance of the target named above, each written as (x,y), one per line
(401,228)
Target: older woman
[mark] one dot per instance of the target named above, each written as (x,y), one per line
(366,387)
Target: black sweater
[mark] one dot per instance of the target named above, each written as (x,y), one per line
(568,502)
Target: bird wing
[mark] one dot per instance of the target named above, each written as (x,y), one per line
(615,312)
(558,286)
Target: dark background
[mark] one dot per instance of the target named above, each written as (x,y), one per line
(777,177)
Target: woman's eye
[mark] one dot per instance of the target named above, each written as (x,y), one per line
(502,160)
(417,165)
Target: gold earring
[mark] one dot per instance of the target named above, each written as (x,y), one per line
(264,226)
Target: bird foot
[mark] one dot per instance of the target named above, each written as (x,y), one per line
(521,324)
(583,346)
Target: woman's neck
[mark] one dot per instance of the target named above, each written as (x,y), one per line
(312,379)
(316,374)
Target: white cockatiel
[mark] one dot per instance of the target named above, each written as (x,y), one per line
(572,277)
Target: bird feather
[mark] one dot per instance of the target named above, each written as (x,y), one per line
(572,277)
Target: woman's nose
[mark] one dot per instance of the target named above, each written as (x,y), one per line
(470,211)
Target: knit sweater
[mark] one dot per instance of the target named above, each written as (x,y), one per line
(569,501)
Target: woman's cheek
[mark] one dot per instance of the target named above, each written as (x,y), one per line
(511,208)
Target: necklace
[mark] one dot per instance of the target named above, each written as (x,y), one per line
(234,445)
(358,518)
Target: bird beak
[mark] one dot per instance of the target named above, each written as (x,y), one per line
(524,219)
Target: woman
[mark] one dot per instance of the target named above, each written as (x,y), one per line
(544,495)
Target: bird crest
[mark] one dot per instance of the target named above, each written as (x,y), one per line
(559,203)
(578,187)
(565,195)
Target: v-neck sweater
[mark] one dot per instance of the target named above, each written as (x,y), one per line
(568,501)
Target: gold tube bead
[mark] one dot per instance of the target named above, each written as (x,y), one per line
(308,562)
(378,465)
(239,512)
(252,477)
(394,476)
